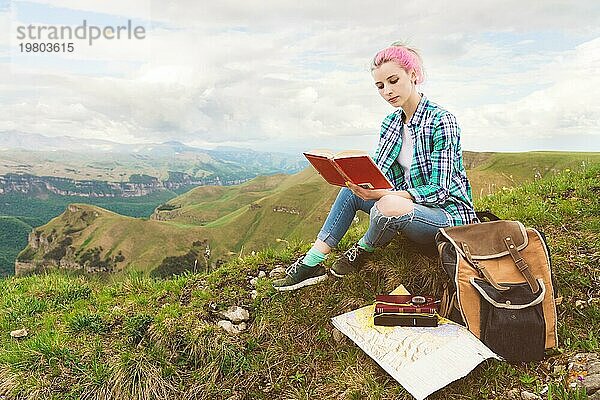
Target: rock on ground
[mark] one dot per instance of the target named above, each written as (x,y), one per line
(525,395)
(513,394)
(236,314)
(585,372)
(232,328)
(19,333)
(591,383)
(516,394)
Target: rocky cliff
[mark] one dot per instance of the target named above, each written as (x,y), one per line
(26,184)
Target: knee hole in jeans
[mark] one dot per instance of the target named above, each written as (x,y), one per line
(394,206)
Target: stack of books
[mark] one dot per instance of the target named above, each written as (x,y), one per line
(406,310)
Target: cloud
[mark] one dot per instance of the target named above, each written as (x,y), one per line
(567,105)
(291,76)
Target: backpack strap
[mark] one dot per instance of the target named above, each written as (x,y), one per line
(521,264)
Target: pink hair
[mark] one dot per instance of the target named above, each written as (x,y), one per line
(404,56)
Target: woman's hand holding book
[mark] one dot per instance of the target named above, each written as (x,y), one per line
(376,194)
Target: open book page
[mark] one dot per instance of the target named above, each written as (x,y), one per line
(330,154)
(421,359)
(350,153)
(326,153)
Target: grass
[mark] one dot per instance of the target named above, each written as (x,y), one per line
(144,338)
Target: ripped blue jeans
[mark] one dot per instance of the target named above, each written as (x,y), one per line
(420,225)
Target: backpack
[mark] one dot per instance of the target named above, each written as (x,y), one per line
(500,286)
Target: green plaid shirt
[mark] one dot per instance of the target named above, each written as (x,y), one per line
(437,174)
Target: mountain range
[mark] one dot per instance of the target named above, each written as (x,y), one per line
(85,159)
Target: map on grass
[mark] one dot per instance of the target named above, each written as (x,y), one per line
(421,359)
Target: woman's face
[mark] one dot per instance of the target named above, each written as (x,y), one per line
(395,85)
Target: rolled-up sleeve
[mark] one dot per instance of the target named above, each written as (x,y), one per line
(445,140)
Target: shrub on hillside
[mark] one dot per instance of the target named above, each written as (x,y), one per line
(92,261)
(176,265)
(26,255)
(60,250)
(167,207)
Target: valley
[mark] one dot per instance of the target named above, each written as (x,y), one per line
(131,180)
(220,221)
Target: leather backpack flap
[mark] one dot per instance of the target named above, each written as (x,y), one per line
(491,241)
(487,239)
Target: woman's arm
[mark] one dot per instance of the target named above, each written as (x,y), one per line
(443,158)
(376,194)
(437,188)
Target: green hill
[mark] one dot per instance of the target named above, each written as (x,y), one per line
(36,210)
(238,219)
(492,171)
(13,236)
(146,338)
(232,219)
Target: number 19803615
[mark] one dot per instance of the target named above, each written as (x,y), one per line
(46,47)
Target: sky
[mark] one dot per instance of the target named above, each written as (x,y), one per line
(290,76)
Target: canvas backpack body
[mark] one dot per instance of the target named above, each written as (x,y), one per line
(500,286)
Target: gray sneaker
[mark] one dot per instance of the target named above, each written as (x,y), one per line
(299,275)
(351,261)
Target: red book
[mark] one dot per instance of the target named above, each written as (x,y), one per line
(405,310)
(394,308)
(406,304)
(351,165)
